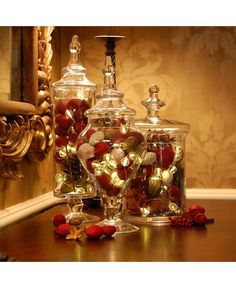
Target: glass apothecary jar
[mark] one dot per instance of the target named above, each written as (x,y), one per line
(158,189)
(111,149)
(73,94)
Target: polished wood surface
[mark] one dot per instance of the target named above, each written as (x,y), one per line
(34,240)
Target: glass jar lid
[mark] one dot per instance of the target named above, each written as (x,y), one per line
(74,74)
(153,120)
(109,102)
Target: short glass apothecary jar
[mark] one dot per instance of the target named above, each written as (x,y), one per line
(158,189)
(73,95)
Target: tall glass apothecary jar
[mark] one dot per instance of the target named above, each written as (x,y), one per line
(158,189)
(73,94)
(111,149)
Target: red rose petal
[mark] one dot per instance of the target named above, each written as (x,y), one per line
(105,181)
(174,193)
(119,137)
(60,131)
(136,134)
(124,172)
(89,165)
(61,141)
(79,126)
(89,133)
(101,149)
(114,191)
(73,137)
(79,142)
(137,181)
(63,121)
(148,170)
(165,157)
(74,104)
(61,107)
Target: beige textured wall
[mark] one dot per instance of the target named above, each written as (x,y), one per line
(195,68)
(5,53)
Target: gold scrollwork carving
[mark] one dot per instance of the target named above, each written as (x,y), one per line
(26,130)
(16,136)
(43,137)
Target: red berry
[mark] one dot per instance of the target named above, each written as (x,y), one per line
(148,170)
(79,142)
(78,115)
(105,181)
(132,205)
(124,172)
(108,230)
(136,134)
(101,149)
(74,104)
(79,126)
(118,122)
(137,181)
(60,131)
(165,157)
(61,107)
(63,121)
(119,137)
(89,133)
(114,191)
(89,165)
(63,229)
(122,121)
(174,193)
(73,137)
(200,219)
(94,232)
(61,141)
(58,220)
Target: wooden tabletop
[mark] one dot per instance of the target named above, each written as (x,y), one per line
(34,240)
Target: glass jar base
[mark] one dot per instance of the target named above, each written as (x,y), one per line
(151,220)
(78,218)
(121,226)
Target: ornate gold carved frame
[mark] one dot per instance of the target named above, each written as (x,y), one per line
(26,128)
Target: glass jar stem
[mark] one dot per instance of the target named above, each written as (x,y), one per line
(112,208)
